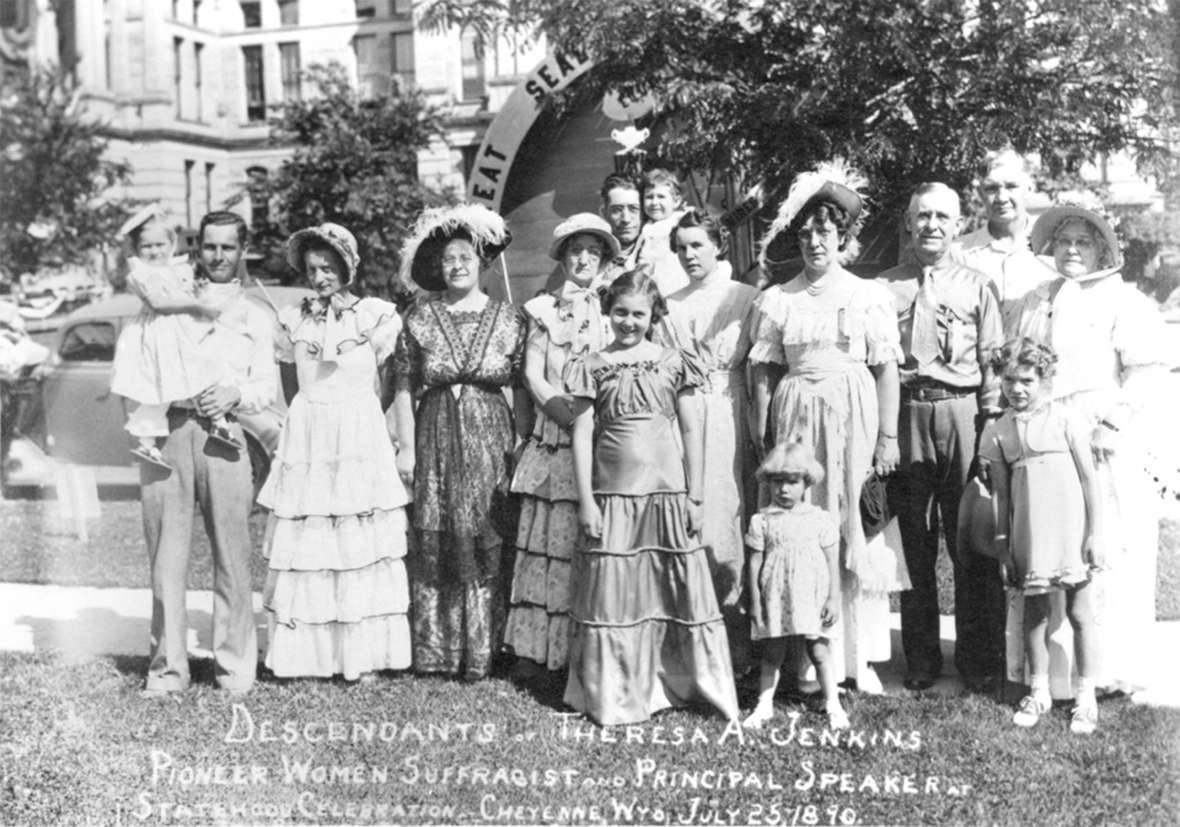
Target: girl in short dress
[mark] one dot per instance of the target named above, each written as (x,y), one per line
(647,630)
(157,361)
(1048,521)
(794,577)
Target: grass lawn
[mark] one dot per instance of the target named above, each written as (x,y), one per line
(79,745)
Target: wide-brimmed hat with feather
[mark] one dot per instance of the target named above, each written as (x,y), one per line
(834,182)
(422,253)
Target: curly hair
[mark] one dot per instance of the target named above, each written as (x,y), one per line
(1025,353)
(636,282)
(710,223)
(660,177)
(791,457)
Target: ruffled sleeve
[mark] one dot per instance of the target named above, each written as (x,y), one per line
(578,377)
(691,373)
(882,337)
(756,533)
(284,336)
(989,442)
(766,328)
(379,323)
(1139,334)
(151,282)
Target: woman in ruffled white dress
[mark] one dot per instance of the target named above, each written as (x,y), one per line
(710,317)
(564,323)
(836,337)
(1111,351)
(336,597)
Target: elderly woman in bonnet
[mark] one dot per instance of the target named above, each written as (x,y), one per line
(460,356)
(824,352)
(563,323)
(1110,344)
(336,593)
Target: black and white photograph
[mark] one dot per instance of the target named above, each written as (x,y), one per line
(589,412)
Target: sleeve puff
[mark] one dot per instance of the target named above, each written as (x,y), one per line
(756,533)
(578,377)
(379,322)
(989,442)
(518,345)
(691,373)
(766,328)
(882,337)
(284,333)
(1139,334)
(151,282)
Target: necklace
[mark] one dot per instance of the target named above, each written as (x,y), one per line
(819,285)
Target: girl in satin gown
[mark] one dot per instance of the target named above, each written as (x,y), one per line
(647,630)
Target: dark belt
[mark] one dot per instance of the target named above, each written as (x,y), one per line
(930,390)
(178,412)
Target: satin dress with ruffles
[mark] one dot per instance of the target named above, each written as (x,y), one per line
(336,592)
(647,631)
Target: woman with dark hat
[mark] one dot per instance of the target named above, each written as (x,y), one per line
(835,338)
(458,354)
(1110,345)
(336,594)
(563,323)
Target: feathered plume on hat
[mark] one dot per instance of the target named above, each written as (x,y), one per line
(421,265)
(834,181)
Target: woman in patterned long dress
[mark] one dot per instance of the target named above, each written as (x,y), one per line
(462,351)
(710,317)
(336,594)
(563,323)
(1111,356)
(836,337)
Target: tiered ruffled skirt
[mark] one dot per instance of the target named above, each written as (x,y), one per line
(538,618)
(336,595)
(647,631)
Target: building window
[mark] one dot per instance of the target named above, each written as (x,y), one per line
(366,8)
(255,86)
(471,61)
(289,59)
(259,190)
(178,75)
(196,12)
(175,9)
(367,73)
(208,187)
(403,8)
(198,78)
(403,57)
(252,15)
(188,192)
(289,12)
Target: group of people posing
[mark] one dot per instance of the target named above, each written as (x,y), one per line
(654,472)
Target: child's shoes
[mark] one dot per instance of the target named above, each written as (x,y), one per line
(1029,711)
(1084,719)
(221,435)
(150,455)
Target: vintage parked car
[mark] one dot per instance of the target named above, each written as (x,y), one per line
(71,415)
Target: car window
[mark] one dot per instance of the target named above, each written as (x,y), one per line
(89,342)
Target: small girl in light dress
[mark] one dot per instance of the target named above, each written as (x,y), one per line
(1048,521)
(794,577)
(663,207)
(157,361)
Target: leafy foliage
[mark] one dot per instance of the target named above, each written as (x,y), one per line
(355,163)
(55,184)
(908,90)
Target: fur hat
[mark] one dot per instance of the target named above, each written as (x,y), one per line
(333,236)
(834,181)
(1041,236)
(422,253)
(584,222)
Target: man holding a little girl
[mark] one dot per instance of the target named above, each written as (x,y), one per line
(197,467)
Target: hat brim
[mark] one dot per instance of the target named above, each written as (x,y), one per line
(612,243)
(426,268)
(1040,238)
(783,246)
(297,248)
